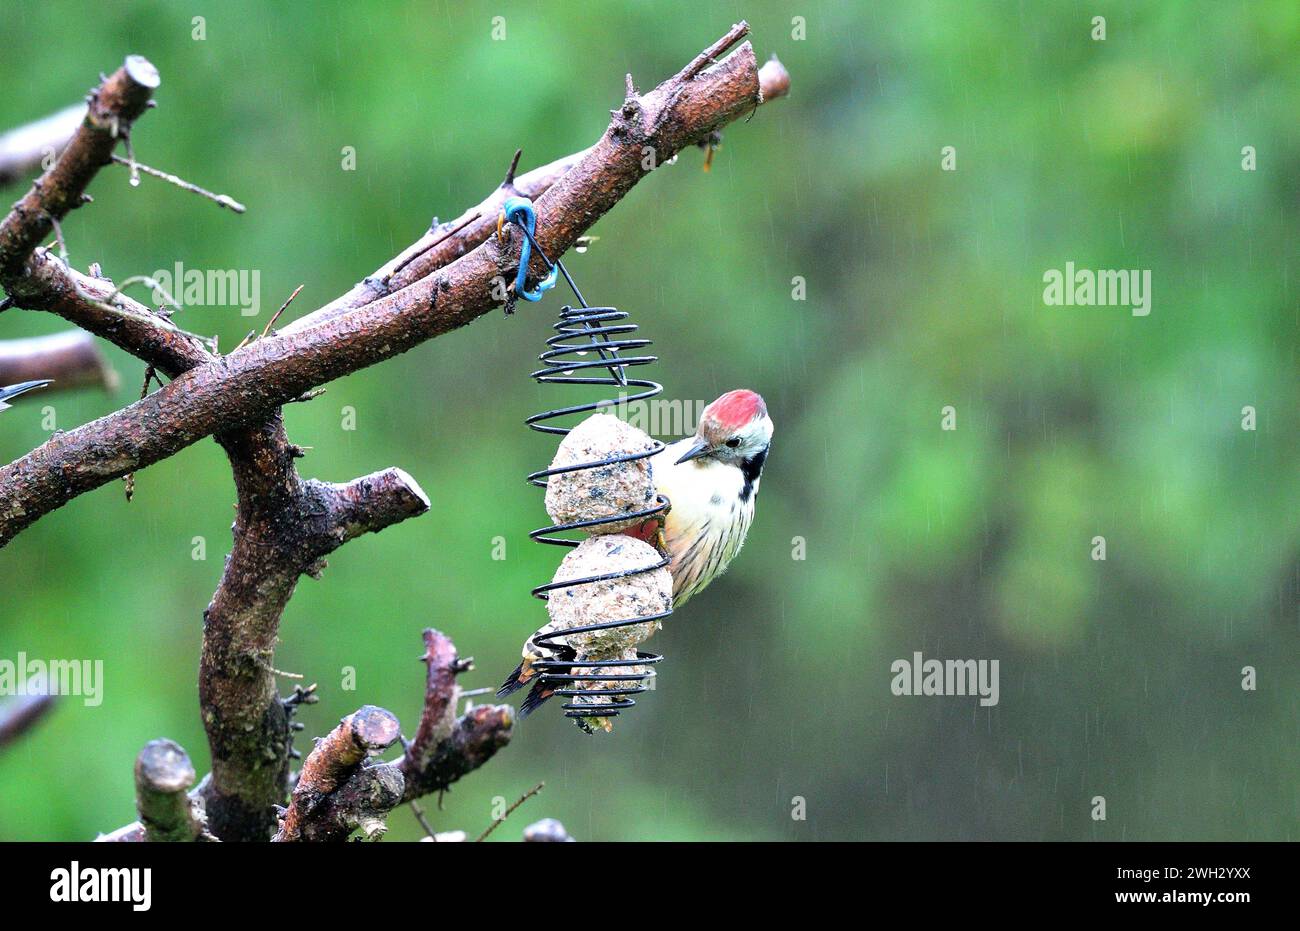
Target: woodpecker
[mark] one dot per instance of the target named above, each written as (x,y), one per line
(9,392)
(711,482)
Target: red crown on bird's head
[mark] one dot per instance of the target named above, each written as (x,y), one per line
(734,410)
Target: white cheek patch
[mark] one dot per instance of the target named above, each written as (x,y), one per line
(757,435)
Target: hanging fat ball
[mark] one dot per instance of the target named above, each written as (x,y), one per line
(643,594)
(635,591)
(715,474)
(605,492)
(593,686)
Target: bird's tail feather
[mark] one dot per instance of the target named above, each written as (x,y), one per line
(526,672)
(540,692)
(514,682)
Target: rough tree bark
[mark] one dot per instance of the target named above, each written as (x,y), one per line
(336,762)
(286,525)
(113,107)
(247,385)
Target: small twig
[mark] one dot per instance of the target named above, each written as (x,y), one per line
(710,54)
(153,286)
(445,236)
(282,673)
(130,160)
(129,478)
(301,696)
(506,814)
(58,238)
(424,822)
(290,704)
(470,695)
(19,714)
(221,200)
(509,182)
(311,395)
(244,342)
(276,316)
(108,305)
(153,319)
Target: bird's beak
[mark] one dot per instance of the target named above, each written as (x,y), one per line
(695,452)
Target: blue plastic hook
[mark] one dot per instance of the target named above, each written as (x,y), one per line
(513,207)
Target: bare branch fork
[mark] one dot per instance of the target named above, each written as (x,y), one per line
(286,525)
(341,787)
(238,389)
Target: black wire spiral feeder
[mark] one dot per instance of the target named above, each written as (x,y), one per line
(565,364)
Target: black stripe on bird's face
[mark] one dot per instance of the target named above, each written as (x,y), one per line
(752,468)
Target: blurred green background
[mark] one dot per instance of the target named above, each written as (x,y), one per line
(1119,678)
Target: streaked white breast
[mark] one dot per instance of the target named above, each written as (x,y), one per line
(708,522)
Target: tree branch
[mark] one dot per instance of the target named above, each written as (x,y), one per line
(163,777)
(113,107)
(37,280)
(284,527)
(363,802)
(773,79)
(248,385)
(446,242)
(20,713)
(340,790)
(441,695)
(70,358)
(95,305)
(169,812)
(24,149)
(336,759)
(441,245)
(445,747)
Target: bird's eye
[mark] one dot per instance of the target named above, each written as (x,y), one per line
(733,442)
